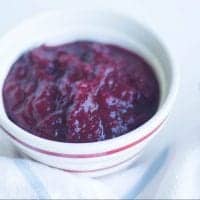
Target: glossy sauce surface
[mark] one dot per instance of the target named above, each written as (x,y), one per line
(80,92)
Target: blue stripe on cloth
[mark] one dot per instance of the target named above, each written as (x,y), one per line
(148,175)
(32,179)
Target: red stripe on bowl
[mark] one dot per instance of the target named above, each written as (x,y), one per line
(101,169)
(106,153)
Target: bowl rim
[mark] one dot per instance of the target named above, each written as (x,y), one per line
(161,113)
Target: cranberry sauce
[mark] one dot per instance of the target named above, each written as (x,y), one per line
(80,92)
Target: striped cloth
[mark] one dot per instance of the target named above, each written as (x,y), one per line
(167,172)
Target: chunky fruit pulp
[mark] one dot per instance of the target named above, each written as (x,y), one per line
(80,92)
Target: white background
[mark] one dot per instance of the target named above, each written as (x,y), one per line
(177,23)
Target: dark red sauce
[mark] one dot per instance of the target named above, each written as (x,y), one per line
(80,92)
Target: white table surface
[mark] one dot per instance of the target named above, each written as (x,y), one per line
(176,22)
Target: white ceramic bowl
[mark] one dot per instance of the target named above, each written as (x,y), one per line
(97,158)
